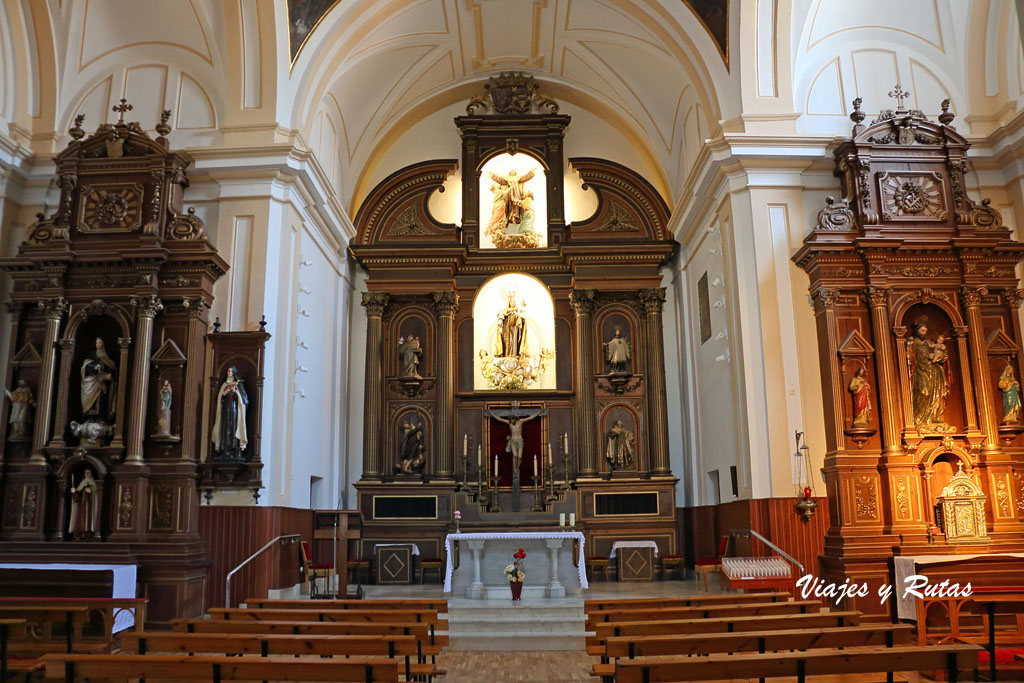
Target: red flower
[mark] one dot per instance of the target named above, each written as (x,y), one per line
(522,551)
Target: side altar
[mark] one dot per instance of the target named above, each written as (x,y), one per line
(554,565)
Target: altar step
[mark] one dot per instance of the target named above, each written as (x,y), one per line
(498,623)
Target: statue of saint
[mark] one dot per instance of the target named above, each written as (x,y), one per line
(229,435)
(511,337)
(22,403)
(84,508)
(617,351)
(514,443)
(860,389)
(619,446)
(409,352)
(411,457)
(929,384)
(1010,388)
(508,193)
(163,420)
(99,375)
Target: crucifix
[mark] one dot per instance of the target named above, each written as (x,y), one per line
(515,442)
(121,109)
(899,94)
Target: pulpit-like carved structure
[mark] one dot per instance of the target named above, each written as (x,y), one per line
(915,297)
(109,309)
(963,509)
(429,281)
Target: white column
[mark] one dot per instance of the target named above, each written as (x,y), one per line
(476,589)
(555,587)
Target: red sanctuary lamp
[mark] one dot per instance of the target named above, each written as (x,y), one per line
(807,504)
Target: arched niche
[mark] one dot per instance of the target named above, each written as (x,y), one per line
(81,343)
(534,304)
(938,326)
(419,417)
(938,465)
(501,185)
(415,322)
(631,423)
(608,318)
(246,372)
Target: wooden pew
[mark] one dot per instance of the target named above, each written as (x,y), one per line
(952,657)
(415,603)
(420,616)
(703,612)
(107,608)
(267,645)
(684,601)
(216,669)
(6,626)
(72,618)
(990,605)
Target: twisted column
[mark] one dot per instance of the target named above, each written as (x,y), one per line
(885,366)
(146,308)
(53,311)
(989,422)
(373,404)
(582,301)
(445,305)
(653,300)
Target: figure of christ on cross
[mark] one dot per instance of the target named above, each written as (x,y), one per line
(515,438)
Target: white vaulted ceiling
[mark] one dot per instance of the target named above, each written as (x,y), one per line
(373,69)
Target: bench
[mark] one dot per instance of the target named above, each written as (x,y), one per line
(6,625)
(108,610)
(952,657)
(703,611)
(423,604)
(687,601)
(176,667)
(421,616)
(990,605)
(267,645)
(71,618)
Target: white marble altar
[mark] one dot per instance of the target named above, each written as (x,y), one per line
(484,556)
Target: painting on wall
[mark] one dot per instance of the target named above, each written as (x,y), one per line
(714,14)
(303,16)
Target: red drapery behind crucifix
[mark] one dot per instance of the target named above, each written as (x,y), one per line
(532,445)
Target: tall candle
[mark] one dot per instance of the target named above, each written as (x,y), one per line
(465,445)
(550,459)
(479,457)
(495,465)
(572,519)
(535,465)
(561,519)
(565,440)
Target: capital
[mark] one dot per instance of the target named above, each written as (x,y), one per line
(971,296)
(826,297)
(1014,297)
(653,299)
(877,297)
(54,309)
(375,303)
(445,303)
(582,301)
(148,305)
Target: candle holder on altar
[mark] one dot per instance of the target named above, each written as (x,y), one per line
(538,503)
(495,497)
(565,471)
(550,483)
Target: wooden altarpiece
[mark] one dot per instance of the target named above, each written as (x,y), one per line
(601,273)
(119,261)
(915,291)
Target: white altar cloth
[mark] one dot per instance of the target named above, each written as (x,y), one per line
(633,544)
(415,548)
(124,583)
(532,535)
(907,566)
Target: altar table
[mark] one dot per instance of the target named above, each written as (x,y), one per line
(123,583)
(545,575)
(906,566)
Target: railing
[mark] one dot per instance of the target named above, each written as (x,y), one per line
(780,551)
(283,540)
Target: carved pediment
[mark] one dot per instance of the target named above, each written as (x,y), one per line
(116,140)
(855,345)
(27,355)
(1000,344)
(511,93)
(168,354)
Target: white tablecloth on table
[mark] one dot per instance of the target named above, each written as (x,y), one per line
(633,544)
(124,583)
(907,566)
(541,535)
(415,548)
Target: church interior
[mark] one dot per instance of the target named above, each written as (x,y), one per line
(511,340)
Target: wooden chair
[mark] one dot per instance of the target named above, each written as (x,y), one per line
(711,565)
(359,571)
(670,564)
(431,565)
(311,570)
(597,564)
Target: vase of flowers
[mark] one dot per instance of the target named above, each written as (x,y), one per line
(458,518)
(515,574)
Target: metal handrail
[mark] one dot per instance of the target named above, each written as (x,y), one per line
(283,540)
(771,545)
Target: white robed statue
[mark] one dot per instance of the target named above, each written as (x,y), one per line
(229,434)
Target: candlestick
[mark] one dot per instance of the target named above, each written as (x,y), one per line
(561,519)
(495,466)
(465,443)
(535,465)
(549,452)
(479,457)
(572,519)
(538,504)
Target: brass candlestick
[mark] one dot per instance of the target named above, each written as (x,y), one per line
(538,505)
(565,470)
(495,497)
(550,484)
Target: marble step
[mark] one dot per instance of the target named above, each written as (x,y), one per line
(504,624)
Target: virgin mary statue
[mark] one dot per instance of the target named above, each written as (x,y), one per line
(929,384)
(229,436)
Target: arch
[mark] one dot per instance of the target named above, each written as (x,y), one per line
(924,296)
(613,412)
(423,315)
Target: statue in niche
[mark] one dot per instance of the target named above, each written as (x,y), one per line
(617,352)
(514,443)
(411,452)
(929,384)
(22,402)
(99,381)
(512,215)
(409,352)
(1010,388)
(163,418)
(511,334)
(619,446)
(229,434)
(84,507)
(861,391)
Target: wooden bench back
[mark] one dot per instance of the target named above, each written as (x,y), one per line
(952,658)
(265,645)
(301,628)
(703,611)
(879,635)
(177,667)
(726,624)
(685,601)
(427,604)
(351,615)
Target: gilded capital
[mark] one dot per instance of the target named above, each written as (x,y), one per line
(54,309)
(652,299)
(445,303)
(877,297)
(148,305)
(375,303)
(971,296)
(827,297)
(1014,297)
(582,301)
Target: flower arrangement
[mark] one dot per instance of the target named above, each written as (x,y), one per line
(932,530)
(458,517)
(514,571)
